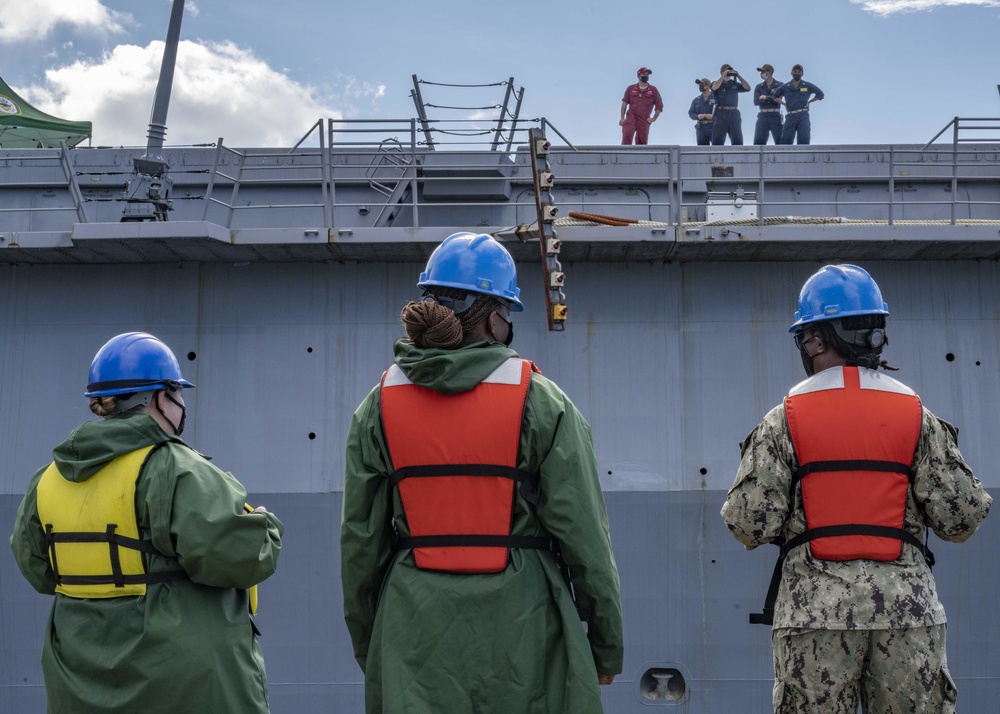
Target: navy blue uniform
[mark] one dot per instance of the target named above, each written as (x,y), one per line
(768,113)
(728,121)
(797,110)
(703,128)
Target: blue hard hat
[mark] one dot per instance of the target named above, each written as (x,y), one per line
(477,263)
(133,362)
(836,291)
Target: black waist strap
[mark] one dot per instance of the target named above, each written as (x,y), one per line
(462,470)
(857,529)
(528,481)
(477,541)
(114,541)
(122,580)
(852,465)
(766,615)
(110,537)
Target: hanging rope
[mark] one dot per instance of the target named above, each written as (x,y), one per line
(440,84)
(463,133)
(440,106)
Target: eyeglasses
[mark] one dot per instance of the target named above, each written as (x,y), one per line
(801,340)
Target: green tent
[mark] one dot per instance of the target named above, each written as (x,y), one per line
(24,127)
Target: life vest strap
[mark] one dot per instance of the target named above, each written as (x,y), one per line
(857,529)
(852,465)
(86,537)
(114,541)
(480,541)
(143,579)
(529,488)
(462,470)
(766,615)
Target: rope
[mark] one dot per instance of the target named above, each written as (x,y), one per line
(440,84)
(600,218)
(463,133)
(441,106)
(806,220)
(588,222)
(577,218)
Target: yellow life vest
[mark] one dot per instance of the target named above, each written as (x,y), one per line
(94,525)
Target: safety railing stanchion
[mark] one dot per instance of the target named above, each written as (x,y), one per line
(760,187)
(74,187)
(211,178)
(892,183)
(954,172)
(326,157)
(413,172)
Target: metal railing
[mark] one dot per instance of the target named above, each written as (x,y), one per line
(401,167)
(958,125)
(384,171)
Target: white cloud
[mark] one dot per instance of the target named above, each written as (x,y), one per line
(357,96)
(356,89)
(889,7)
(484,115)
(219,90)
(32,20)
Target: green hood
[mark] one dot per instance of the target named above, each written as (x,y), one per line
(93,444)
(450,371)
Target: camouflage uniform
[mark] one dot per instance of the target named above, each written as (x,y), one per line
(819,596)
(901,671)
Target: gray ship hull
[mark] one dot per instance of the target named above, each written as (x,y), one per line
(671,364)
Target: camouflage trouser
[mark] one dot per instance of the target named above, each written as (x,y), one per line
(892,671)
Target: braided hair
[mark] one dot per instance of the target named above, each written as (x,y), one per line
(429,323)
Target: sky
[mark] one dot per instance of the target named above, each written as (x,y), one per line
(260,74)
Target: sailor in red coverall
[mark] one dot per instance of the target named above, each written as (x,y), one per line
(640,99)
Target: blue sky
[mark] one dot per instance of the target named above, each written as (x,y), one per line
(261,73)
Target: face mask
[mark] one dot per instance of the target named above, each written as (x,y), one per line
(510,331)
(644,78)
(763,75)
(807,361)
(796,76)
(179,428)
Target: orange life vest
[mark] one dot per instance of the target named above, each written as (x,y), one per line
(455,465)
(855,432)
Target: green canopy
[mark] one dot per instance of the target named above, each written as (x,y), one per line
(24,127)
